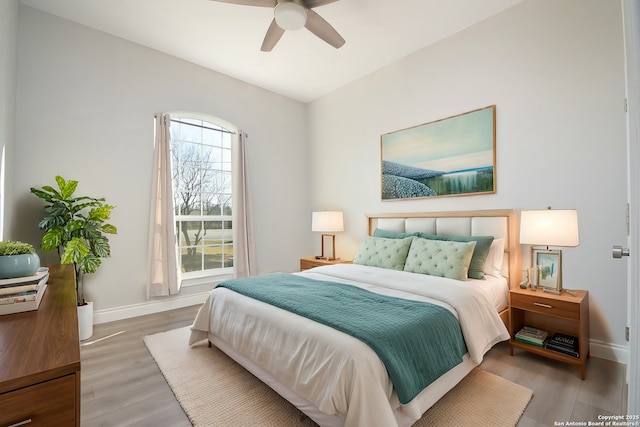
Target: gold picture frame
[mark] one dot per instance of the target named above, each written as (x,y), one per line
(455,156)
(548,268)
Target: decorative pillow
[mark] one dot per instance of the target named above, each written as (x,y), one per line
(493,263)
(440,258)
(483,244)
(382,252)
(392,234)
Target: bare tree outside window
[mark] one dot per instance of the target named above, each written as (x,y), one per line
(201,155)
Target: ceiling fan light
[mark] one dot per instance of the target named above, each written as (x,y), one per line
(290,16)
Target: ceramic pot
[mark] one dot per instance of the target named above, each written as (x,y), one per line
(18,265)
(85,321)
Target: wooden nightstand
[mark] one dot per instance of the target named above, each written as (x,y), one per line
(310,262)
(562,313)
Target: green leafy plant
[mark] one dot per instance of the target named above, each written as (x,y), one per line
(16,248)
(76,228)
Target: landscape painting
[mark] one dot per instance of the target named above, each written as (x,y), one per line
(450,157)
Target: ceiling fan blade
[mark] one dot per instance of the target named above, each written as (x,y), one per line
(274,33)
(262,3)
(321,28)
(315,3)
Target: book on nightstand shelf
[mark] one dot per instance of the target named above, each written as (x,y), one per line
(563,343)
(532,336)
(23,293)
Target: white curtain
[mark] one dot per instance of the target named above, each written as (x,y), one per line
(244,263)
(164,275)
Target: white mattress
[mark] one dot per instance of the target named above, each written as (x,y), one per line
(338,375)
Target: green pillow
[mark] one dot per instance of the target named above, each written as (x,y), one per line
(382,252)
(393,234)
(483,244)
(440,258)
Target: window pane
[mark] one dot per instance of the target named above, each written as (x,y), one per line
(216,240)
(226,182)
(191,233)
(191,259)
(226,140)
(226,156)
(209,155)
(190,133)
(211,207)
(190,155)
(212,137)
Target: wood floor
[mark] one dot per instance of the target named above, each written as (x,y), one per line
(122,386)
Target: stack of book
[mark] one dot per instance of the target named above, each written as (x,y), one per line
(565,344)
(23,293)
(532,336)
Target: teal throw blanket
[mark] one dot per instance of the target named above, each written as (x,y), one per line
(416,341)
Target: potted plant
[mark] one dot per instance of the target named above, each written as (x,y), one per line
(76,227)
(17,259)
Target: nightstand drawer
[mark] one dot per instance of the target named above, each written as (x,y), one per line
(306,264)
(546,305)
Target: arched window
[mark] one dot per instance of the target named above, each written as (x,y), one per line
(201,168)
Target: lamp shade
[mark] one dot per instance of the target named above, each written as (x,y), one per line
(549,227)
(327,221)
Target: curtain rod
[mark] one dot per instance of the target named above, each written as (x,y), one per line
(223,130)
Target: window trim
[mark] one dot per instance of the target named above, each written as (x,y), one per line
(203,277)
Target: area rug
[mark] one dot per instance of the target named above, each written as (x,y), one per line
(215,391)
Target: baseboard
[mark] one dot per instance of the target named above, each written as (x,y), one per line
(609,351)
(156,306)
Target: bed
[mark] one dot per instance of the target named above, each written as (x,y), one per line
(339,380)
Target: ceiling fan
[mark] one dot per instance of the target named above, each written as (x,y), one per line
(293,15)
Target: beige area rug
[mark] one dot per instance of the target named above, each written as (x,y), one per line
(215,391)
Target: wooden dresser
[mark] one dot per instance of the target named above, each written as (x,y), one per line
(40,358)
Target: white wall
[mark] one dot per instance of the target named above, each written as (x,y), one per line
(555,71)
(86,102)
(8,62)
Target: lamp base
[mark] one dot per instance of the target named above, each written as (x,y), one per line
(331,237)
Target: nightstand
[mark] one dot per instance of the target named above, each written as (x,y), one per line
(310,262)
(562,313)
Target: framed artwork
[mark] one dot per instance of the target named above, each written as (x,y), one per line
(455,156)
(549,268)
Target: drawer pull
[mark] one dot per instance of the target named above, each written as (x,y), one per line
(539,304)
(21,423)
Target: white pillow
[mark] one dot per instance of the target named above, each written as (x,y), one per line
(493,263)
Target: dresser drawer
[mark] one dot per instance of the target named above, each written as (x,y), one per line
(546,305)
(51,403)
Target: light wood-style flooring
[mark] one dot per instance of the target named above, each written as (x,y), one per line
(122,386)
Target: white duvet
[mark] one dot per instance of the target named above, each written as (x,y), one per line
(337,373)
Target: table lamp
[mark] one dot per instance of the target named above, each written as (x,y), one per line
(327,223)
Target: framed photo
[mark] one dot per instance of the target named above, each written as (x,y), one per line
(455,156)
(549,268)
